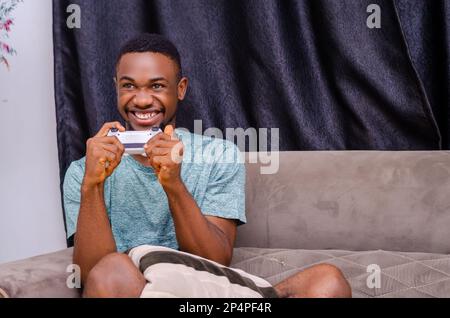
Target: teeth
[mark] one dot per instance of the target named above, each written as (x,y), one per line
(145,115)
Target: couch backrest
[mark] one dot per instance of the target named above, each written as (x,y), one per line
(355,200)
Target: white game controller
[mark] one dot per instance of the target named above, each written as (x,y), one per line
(134,141)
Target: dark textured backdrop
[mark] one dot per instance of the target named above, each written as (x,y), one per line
(311,68)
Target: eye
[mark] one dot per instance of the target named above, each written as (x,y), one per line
(128,85)
(157,86)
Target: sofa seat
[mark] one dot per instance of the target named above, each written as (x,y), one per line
(402,274)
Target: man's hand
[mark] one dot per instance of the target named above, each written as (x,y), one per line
(103,155)
(165,153)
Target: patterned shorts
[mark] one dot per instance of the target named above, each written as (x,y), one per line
(171,273)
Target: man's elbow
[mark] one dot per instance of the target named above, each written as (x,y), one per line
(225,258)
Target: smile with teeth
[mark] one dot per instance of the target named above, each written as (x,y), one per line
(145,115)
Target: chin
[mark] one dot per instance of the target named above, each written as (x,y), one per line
(133,126)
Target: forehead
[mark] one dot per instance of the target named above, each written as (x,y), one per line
(147,64)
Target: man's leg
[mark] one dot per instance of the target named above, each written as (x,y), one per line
(322,281)
(114,275)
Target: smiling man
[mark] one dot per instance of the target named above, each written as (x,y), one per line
(115,204)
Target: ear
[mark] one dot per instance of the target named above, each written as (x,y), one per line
(182,88)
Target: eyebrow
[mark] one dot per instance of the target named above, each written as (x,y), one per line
(126,78)
(155,79)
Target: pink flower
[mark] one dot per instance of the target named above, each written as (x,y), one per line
(7,24)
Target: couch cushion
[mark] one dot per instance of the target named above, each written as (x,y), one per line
(402,274)
(39,276)
(351,200)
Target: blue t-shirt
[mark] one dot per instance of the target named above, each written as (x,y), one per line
(137,207)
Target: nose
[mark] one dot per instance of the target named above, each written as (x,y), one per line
(142,99)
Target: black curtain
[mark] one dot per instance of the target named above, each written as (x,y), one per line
(313,69)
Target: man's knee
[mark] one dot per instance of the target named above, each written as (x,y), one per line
(114,276)
(329,282)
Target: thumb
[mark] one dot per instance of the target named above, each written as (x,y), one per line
(169,131)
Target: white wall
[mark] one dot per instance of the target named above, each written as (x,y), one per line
(31,219)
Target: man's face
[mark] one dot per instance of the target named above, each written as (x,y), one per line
(148,89)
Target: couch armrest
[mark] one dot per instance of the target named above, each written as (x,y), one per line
(39,276)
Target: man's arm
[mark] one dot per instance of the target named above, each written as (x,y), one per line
(207,236)
(94,238)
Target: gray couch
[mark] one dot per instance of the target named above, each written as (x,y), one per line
(351,209)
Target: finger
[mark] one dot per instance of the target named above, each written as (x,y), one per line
(173,149)
(168,130)
(110,156)
(111,161)
(153,141)
(107,126)
(150,156)
(159,136)
(162,161)
(112,148)
(157,161)
(158,151)
(105,156)
(154,163)
(111,166)
(110,140)
(162,144)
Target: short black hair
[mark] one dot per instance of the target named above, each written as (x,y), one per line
(151,42)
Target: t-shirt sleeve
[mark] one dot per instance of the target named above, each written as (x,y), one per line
(72,194)
(225,192)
